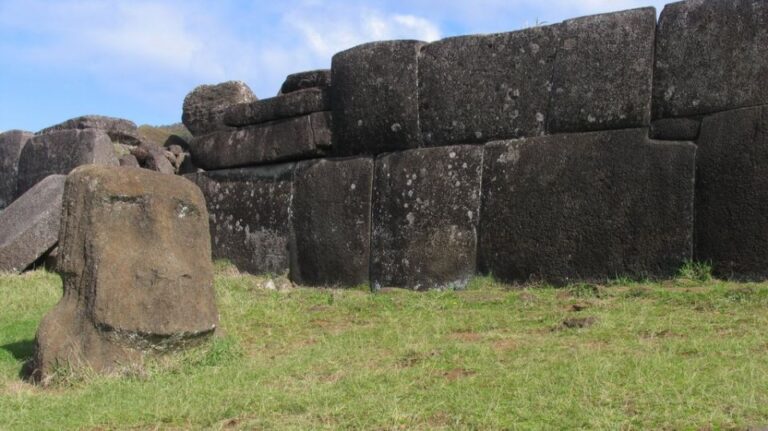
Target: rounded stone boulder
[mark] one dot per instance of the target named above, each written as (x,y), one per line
(204,107)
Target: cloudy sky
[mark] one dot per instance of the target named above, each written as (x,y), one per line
(137,59)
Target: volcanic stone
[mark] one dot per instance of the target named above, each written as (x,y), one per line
(129,160)
(119,130)
(479,88)
(136,265)
(732,193)
(11,144)
(604,72)
(289,105)
(590,206)
(204,106)
(425,215)
(250,215)
(711,56)
(375,98)
(29,227)
(58,152)
(294,138)
(675,129)
(311,79)
(332,222)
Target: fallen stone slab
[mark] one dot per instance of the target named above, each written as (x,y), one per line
(250,215)
(711,56)
(29,227)
(603,72)
(294,104)
(138,241)
(119,130)
(425,215)
(586,207)
(675,129)
(484,87)
(332,222)
(295,138)
(732,193)
(320,78)
(11,144)
(375,98)
(59,152)
(204,107)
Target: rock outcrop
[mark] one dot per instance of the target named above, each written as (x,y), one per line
(11,144)
(204,107)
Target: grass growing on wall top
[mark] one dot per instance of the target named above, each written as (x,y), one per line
(683,354)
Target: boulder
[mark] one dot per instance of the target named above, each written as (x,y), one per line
(289,105)
(119,130)
(425,214)
(586,207)
(136,266)
(603,72)
(332,222)
(732,193)
(711,56)
(484,87)
(675,129)
(129,160)
(291,139)
(11,144)
(29,227)
(250,215)
(59,152)
(154,158)
(204,107)
(375,98)
(320,78)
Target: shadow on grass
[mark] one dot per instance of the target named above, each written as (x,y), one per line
(20,350)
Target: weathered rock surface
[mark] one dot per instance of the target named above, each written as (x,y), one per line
(484,87)
(603,72)
(375,98)
(710,56)
(589,206)
(154,158)
(250,215)
(425,215)
(136,265)
(204,107)
(11,144)
(58,152)
(129,160)
(332,222)
(320,78)
(295,138)
(289,105)
(732,193)
(675,129)
(119,130)
(29,227)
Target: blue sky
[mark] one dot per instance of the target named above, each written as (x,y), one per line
(137,59)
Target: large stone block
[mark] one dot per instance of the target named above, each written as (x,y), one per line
(732,193)
(375,98)
(603,72)
(291,139)
(332,222)
(136,265)
(204,107)
(589,206)
(59,152)
(289,105)
(320,78)
(711,56)
(484,87)
(425,215)
(11,144)
(250,215)
(29,227)
(119,130)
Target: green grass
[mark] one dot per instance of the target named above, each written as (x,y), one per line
(681,354)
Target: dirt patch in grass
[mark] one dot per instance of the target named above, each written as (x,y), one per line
(504,345)
(466,336)
(458,373)
(576,323)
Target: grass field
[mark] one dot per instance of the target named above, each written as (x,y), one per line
(691,353)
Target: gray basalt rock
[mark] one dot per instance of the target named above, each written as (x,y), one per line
(320,78)
(136,265)
(291,139)
(675,129)
(289,105)
(425,215)
(588,206)
(332,222)
(29,227)
(711,56)
(204,106)
(59,152)
(154,158)
(120,131)
(11,144)
(732,193)
(603,72)
(250,215)
(374,97)
(129,160)
(484,87)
